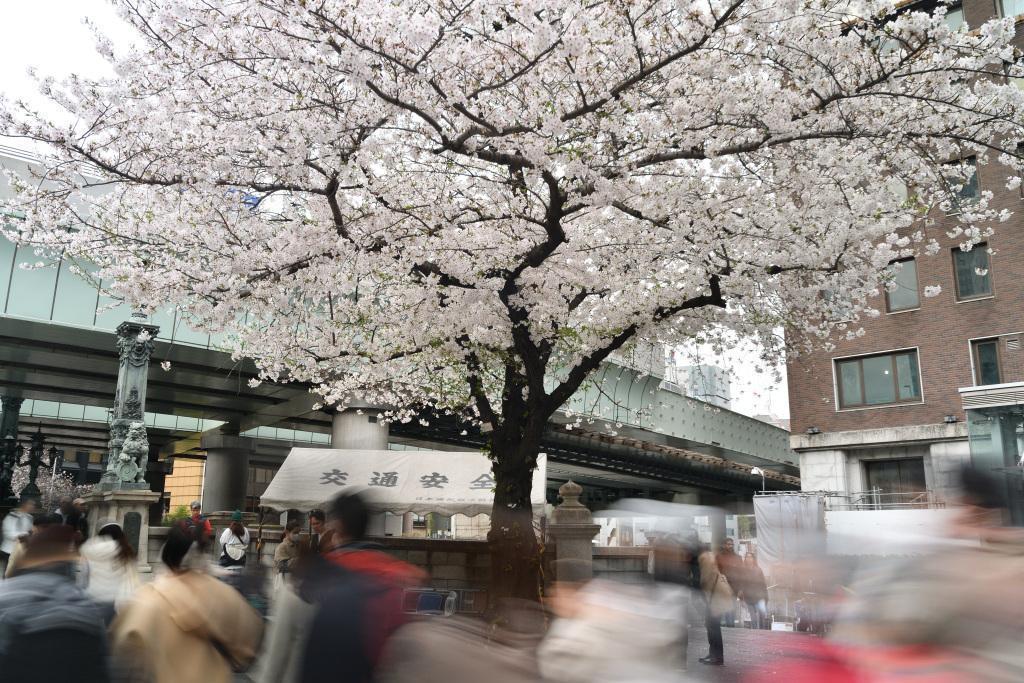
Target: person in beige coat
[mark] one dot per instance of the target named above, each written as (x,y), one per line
(720,598)
(185,626)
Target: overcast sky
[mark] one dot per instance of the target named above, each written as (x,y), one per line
(51,36)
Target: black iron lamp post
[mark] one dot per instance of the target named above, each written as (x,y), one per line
(36,453)
(8,461)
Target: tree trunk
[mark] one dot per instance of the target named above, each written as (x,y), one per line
(515,552)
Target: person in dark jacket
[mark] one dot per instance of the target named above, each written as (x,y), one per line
(357,589)
(43,614)
(320,540)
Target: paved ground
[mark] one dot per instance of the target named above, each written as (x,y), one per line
(750,656)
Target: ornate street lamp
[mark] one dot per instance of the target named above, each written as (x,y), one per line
(36,453)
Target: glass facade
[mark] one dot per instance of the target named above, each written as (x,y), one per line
(56,294)
(997,445)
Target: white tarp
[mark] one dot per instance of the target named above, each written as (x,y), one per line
(790,528)
(445,482)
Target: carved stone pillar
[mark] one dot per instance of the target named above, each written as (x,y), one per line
(8,442)
(572,527)
(135,346)
(9,416)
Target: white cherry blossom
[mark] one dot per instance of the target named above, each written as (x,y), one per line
(459,210)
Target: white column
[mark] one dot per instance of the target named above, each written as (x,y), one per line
(359,429)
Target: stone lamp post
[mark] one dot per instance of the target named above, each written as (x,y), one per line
(123,494)
(572,526)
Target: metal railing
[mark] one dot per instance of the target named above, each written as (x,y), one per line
(876,499)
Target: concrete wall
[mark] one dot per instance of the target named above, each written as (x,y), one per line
(450,564)
(843,470)
(823,471)
(626,565)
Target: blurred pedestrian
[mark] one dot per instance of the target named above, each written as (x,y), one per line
(234,543)
(49,629)
(109,572)
(81,522)
(40,521)
(17,523)
(186,625)
(358,593)
(320,536)
(957,610)
(504,651)
(291,614)
(607,631)
(731,566)
(754,592)
(287,551)
(719,599)
(198,520)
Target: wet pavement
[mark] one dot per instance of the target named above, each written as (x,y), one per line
(750,656)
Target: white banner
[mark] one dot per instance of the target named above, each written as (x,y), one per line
(445,482)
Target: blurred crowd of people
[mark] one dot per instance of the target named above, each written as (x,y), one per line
(335,608)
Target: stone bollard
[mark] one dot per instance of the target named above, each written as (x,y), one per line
(572,528)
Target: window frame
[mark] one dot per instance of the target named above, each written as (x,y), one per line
(956,280)
(976,359)
(868,463)
(971,159)
(917,289)
(893,353)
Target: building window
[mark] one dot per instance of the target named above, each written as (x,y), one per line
(878,380)
(955,17)
(902,293)
(971,269)
(895,477)
(1009,8)
(969,188)
(986,361)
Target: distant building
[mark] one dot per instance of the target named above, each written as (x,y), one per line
(936,382)
(708,383)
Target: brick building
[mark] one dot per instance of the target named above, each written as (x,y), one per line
(935,382)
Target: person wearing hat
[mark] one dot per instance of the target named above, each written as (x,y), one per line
(234,542)
(49,628)
(108,564)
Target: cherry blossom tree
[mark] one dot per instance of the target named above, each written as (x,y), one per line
(464,207)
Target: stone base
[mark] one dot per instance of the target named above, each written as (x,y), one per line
(130,509)
(121,486)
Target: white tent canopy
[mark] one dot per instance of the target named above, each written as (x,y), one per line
(445,482)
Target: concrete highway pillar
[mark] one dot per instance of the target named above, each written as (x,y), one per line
(717,519)
(359,429)
(227,472)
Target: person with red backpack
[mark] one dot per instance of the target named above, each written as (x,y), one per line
(357,589)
